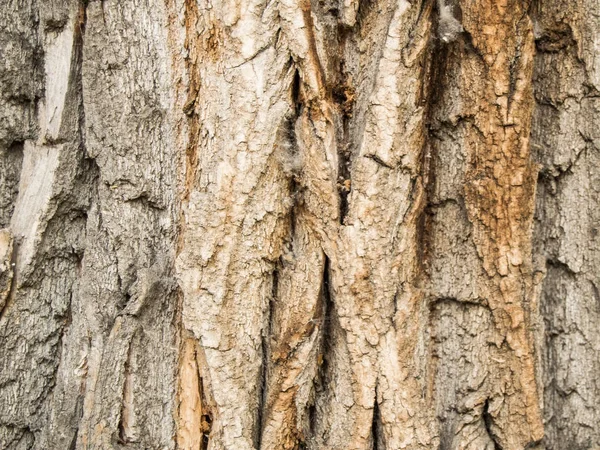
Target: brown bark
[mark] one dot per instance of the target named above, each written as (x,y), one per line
(295,224)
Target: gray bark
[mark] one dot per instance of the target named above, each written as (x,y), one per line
(565,140)
(294,224)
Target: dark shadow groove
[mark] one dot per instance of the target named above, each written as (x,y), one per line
(265,347)
(376,432)
(122,433)
(489,423)
(323,316)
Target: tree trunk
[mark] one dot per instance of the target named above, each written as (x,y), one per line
(295,224)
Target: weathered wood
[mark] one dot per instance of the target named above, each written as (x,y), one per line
(327,224)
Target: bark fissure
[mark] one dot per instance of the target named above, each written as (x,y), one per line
(206,414)
(375,426)
(345,191)
(265,348)
(489,423)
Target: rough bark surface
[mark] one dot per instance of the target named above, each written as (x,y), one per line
(566,143)
(299,224)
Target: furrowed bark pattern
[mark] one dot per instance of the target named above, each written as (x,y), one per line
(566,141)
(296,224)
(492,193)
(91,308)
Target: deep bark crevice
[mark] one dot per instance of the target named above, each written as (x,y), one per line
(327,311)
(266,354)
(343,96)
(262,396)
(312,417)
(432,96)
(488,422)
(341,93)
(126,397)
(73,444)
(206,416)
(321,382)
(296,92)
(291,161)
(376,426)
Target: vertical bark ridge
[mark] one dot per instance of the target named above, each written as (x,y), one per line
(316,225)
(235,213)
(126,292)
(378,233)
(565,142)
(499,199)
(42,133)
(297,320)
(495,209)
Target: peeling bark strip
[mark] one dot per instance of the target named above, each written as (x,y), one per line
(193,428)
(299,224)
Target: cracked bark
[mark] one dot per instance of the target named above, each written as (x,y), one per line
(326,224)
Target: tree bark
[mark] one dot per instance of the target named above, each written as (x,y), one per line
(299,224)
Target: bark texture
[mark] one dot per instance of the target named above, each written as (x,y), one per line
(299,224)
(566,142)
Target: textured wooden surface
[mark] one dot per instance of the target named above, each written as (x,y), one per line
(295,224)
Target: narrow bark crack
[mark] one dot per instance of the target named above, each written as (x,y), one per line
(205,418)
(488,422)
(326,311)
(321,381)
(375,426)
(265,347)
(343,96)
